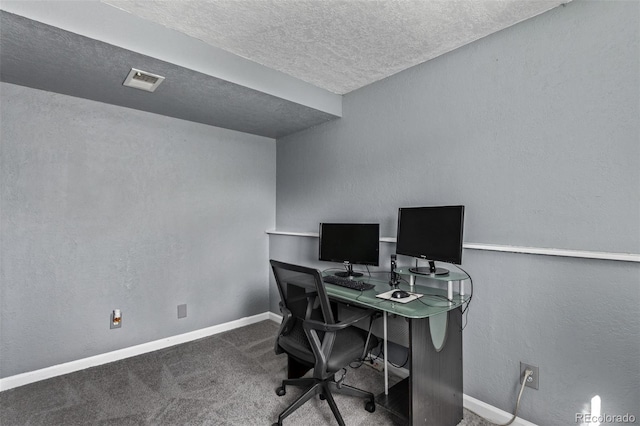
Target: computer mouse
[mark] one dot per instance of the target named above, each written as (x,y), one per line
(400,294)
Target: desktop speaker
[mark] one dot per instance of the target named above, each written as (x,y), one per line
(394,277)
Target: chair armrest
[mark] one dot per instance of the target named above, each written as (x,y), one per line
(347,322)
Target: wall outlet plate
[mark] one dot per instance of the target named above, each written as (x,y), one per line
(533,381)
(113,324)
(182,311)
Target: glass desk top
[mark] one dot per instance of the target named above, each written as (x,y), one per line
(434,300)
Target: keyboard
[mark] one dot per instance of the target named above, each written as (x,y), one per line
(347,283)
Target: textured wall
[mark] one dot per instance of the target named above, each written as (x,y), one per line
(105,207)
(535,125)
(535,129)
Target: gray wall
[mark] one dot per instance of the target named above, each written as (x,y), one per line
(105,207)
(535,129)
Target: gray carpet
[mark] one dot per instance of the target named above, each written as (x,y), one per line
(226,379)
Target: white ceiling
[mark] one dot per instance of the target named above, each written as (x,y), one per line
(338,45)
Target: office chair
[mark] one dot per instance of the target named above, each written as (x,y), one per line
(313,339)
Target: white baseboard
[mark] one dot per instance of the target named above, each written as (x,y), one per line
(81,364)
(491,413)
(275,317)
(483,409)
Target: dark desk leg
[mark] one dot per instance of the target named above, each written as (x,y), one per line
(436,377)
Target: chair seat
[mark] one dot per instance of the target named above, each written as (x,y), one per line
(347,347)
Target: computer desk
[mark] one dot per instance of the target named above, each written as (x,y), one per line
(432,394)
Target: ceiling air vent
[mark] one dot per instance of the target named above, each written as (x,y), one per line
(143,80)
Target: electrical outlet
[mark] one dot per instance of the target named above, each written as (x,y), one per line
(182,311)
(116,319)
(533,380)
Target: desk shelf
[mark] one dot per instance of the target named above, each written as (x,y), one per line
(397,401)
(450,278)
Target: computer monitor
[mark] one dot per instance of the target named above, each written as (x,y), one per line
(350,244)
(431,233)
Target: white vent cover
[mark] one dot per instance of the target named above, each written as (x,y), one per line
(143,80)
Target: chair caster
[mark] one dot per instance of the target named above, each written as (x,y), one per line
(370,406)
(322,397)
(280,392)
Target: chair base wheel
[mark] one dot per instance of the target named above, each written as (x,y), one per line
(280,392)
(370,406)
(322,397)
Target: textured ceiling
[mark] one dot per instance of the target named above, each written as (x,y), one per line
(267,67)
(339,45)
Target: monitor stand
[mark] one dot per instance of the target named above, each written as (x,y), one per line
(430,270)
(349,272)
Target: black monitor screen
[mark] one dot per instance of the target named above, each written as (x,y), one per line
(355,243)
(431,233)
